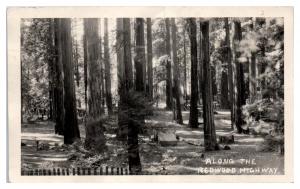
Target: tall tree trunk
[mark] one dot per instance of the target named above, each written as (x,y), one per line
(224,98)
(176,73)
(94,130)
(193,121)
(252,78)
(85,66)
(260,22)
(238,77)
(52,73)
(252,70)
(134,161)
(229,70)
(101,63)
(76,56)
(200,60)
(120,43)
(140,61)
(107,69)
(127,53)
(224,90)
(149,58)
(185,67)
(169,91)
(59,89)
(71,130)
(210,141)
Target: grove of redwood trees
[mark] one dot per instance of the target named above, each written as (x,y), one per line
(208,61)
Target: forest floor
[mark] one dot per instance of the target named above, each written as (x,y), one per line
(187,156)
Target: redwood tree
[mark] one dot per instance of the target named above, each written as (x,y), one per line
(169,91)
(176,73)
(94,131)
(71,130)
(149,58)
(59,83)
(139,60)
(238,77)
(193,121)
(229,69)
(252,69)
(101,63)
(134,120)
(210,141)
(122,121)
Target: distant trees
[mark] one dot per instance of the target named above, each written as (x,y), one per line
(252,68)
(149,59)
(107,69)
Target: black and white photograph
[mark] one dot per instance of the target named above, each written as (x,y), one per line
(155,95)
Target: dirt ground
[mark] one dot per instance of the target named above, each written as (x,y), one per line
(187,157)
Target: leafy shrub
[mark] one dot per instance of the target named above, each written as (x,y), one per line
(266,117)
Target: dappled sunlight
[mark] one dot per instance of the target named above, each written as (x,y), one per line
(39,136)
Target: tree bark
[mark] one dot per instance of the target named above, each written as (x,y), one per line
(85,66)
(76,57)
(59,89)
(101,62)
(200,63)
(210,141)
(238,77)
(169,91)
(94,130)
(127,54)
(193,120)
(125,75)
(71,130)
(52,73)
(224,91)
(176,74)
(229,70)
(149,58)
(134,161)
(107,69)
(252,71)
(140,60)
(185,67)
(120,42)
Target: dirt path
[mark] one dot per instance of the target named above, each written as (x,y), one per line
(188,156)
(48,154)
